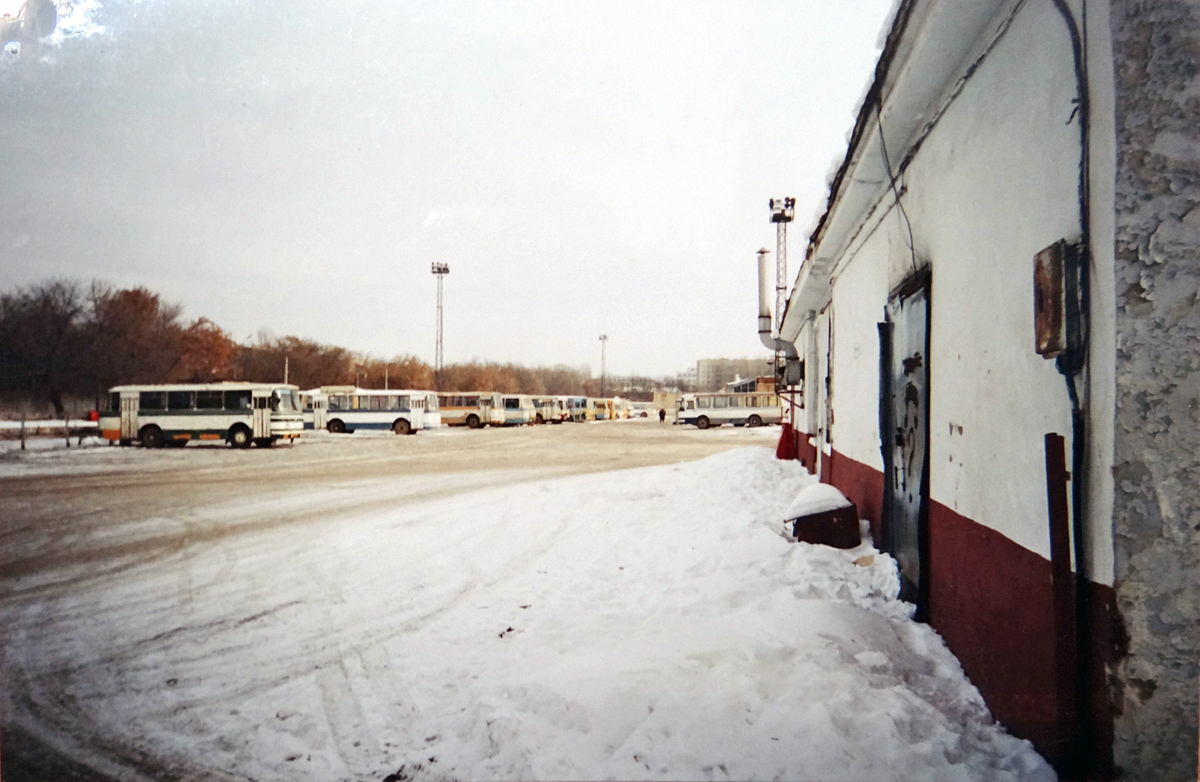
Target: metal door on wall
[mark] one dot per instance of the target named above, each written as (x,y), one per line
(904,413)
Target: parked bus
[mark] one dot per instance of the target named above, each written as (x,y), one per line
(519,410)
(433,413)
(238,413)
(603,409)
(401,411)
(575,408)
(751,409)
(315,403)
(550,409)
(471,409)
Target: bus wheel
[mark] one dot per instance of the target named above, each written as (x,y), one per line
(152,437)
(401,427)
(473,421)
(239,437)
(702,422)
(336,426)
(754,420)
(540,420)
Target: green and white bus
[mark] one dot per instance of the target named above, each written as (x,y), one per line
(238,413)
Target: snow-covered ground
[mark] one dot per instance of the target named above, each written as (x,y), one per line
(647,623)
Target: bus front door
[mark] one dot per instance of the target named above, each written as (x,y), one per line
(262,417)
(129,418)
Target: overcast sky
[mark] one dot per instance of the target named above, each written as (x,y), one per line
(584,168)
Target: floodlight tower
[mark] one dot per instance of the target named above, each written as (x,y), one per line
(783,210)
(440,270)
(603,342)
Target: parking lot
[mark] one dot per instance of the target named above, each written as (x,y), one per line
(77,521)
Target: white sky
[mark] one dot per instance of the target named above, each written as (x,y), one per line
(584,168)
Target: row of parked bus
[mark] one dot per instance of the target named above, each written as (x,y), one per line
(265,413)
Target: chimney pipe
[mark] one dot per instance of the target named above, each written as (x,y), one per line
(765,289)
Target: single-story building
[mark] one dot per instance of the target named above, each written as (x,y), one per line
(998,324)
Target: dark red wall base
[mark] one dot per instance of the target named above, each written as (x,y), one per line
(991,600)
(863,486)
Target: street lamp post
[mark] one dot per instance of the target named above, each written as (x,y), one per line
(440,270)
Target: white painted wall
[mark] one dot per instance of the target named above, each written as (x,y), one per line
(859,293)
(992,185)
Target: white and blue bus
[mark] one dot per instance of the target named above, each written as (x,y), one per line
(708,410)
(238,413)
(379,409)
(519,410)
(575,407)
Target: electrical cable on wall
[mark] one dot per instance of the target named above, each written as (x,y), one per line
(895,190)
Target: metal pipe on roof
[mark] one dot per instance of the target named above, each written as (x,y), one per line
(765,289)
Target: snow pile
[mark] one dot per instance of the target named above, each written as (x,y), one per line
(816,498)
(650,623)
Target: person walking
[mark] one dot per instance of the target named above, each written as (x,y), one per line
(662,415)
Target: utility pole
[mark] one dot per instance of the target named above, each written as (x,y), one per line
(440,270)
(603,342)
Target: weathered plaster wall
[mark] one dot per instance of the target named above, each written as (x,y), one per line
(1156,521)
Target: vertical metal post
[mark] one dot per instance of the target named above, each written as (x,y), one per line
(440,270)
(1063,588)
(603,372)
(285,370)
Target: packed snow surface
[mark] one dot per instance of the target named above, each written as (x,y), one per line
(649,623)
(816,498)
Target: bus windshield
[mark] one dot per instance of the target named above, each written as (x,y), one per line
(286,400)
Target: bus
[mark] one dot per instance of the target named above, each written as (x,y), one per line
(550,409)
(238,413)
(603,409)
(315,404)
(749,409)
(575,408)
(433,413)
(519,410)
(473,409)
(401,411)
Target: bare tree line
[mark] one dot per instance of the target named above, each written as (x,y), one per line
(64,339)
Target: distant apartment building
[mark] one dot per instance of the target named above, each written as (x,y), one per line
(713,373)
(687,379)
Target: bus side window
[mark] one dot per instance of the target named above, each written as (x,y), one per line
(114,402)
(720,401)
(237,400)
(152,400)
(181,400)
(209,400)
